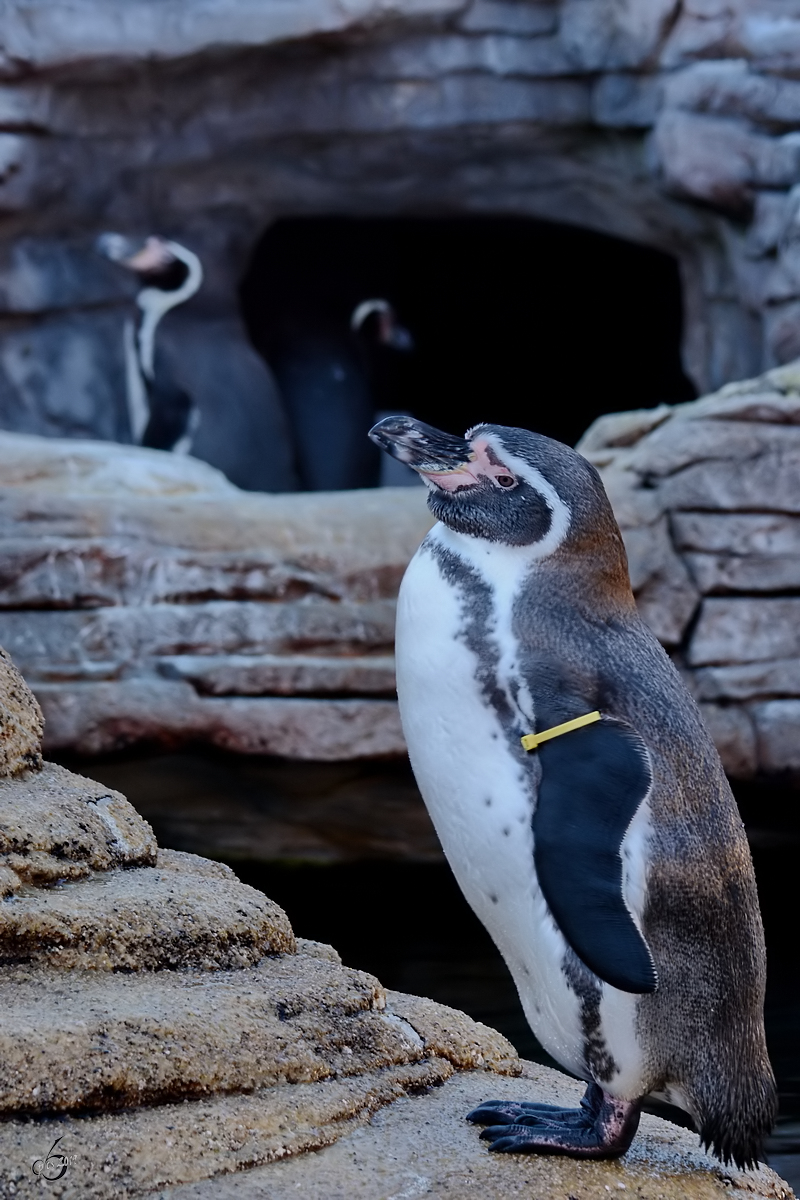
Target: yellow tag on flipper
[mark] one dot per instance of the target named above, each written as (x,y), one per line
(531,740)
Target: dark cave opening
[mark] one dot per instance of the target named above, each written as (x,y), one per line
(513,320)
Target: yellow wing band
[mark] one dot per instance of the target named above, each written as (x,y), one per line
(532,740)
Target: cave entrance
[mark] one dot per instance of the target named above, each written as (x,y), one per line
(516,321)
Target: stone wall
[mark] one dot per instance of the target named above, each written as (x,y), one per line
(147,600)
(670,123)
(707,495)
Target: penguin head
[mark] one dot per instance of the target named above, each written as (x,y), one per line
(506,485)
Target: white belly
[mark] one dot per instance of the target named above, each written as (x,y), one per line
(475,791)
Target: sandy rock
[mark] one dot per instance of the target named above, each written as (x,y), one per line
(56,826)
(424,1147)
(86,1040)
(182,912)
(21,722)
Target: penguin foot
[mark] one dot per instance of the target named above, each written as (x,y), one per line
(603,1126)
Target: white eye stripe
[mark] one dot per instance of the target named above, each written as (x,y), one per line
(560,513)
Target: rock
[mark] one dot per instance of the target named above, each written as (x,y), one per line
(51,467)
(20,722)
(203,118)
(135,980)
(56,826)
(707,495)
(217,615)
(181,912)
(611,34)
(743,630)
(97,718)
(509,16)
(242,674)
(425,1147)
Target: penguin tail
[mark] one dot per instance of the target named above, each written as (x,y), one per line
(735,1120)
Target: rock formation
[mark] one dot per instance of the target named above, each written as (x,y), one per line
(161,1025)
(707,495)
(148,600)
(673,125)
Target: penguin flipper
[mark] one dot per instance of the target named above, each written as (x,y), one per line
(593,781)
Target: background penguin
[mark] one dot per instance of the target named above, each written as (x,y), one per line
(609,865)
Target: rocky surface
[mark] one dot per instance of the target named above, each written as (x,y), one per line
(425,1148)
(671,124)
(20,722)
(175,607)
(397,1134)
(707,495)
(132,976)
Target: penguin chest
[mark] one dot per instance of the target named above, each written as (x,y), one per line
(455,655)
(479,793)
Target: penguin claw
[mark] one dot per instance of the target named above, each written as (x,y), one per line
(603,1127)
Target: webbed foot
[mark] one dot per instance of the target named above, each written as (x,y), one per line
(603,1126)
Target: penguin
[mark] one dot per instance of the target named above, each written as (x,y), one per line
(162,414)
(579,799)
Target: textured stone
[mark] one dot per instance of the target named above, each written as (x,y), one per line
(204,617)
(773,677)
(271,674)
(56,826)
(745,630)
(762,535)
(166,1035)
(721,573)
(182,912)
(709,492)
(609,34)
(97,718)
(509,16)
(50,466)
(102,642)
(20,722)
(425,1147)
(719,161)
(203,116)
(776,723)
(175,985)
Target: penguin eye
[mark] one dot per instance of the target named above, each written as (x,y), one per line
(505,481)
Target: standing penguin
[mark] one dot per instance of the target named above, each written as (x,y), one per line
(579,799)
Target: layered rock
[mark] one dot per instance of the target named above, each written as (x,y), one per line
(211,123)
(707,495)
(134,976)
(146,599)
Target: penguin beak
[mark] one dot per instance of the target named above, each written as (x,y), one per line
(445,460)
